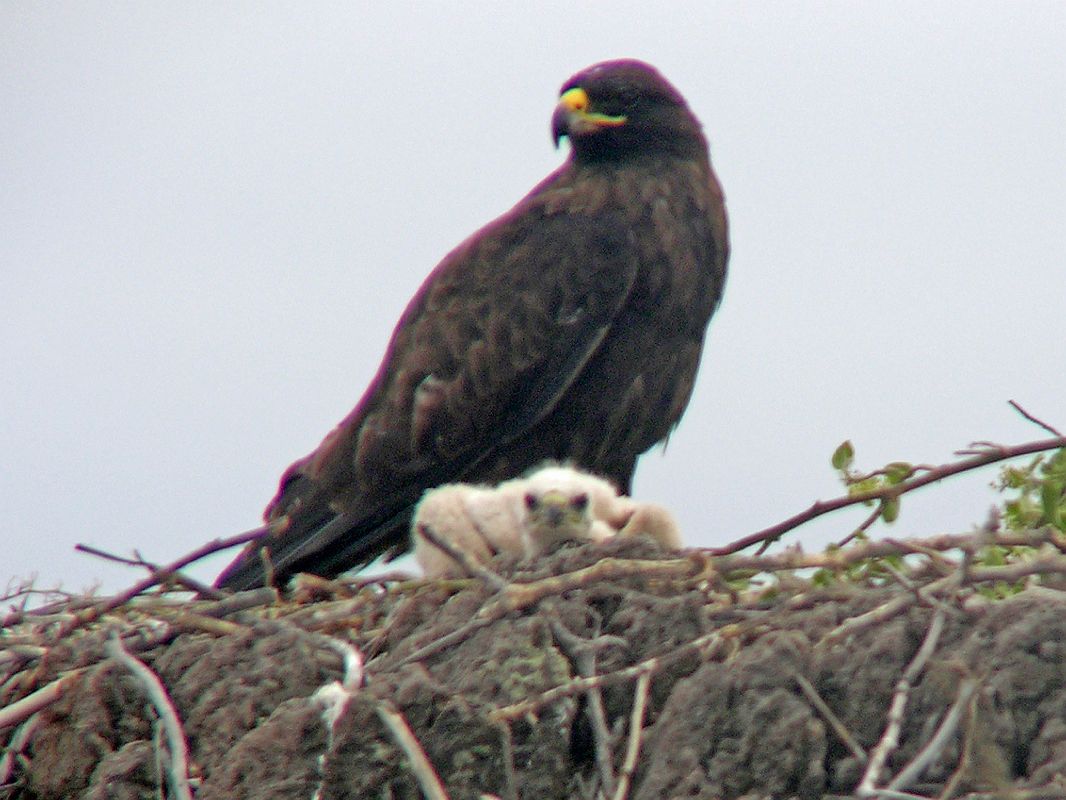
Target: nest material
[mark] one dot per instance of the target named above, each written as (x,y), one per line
(616,671)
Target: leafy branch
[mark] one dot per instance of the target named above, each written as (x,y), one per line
(885,486)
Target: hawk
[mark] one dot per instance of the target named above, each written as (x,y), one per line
(568,329)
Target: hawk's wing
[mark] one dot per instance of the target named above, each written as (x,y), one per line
(496,335)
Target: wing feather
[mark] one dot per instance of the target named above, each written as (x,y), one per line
(484,352)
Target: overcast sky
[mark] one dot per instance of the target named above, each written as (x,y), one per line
(211,216)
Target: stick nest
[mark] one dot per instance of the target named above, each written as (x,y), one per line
(896,669)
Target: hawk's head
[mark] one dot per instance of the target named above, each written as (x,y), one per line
(621,109)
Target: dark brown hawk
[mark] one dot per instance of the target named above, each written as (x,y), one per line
(570,328)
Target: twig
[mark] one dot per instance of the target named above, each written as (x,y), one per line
(962,767)
(32,703)
(507,756)
(890,738)
(988,455)
(15,747)
(1017,407)
(583,653)
(23,593)
(887,610)
(834,721)
(1009,573)
(707,644)
(846,557)
(444,642)
(191,584)
(423,771)
(862,528)
(241,601)
(636,729)
(916,590)
(96,611)
(928,754)
(178,772)
(191,621)
(352,659)
(518,596)
(522,595)
(469,564)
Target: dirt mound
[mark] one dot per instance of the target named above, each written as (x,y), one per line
(615,671)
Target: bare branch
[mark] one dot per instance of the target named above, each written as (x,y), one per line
(862,528)
(32,703)
(890,738)
(965,756)
(507,755)
(427,777)
(517,596)
(846,557)
(887,610)
(191,584)
(936,744)
(15,746)
(1017,407)
(706,644)
(583,652)
(241,601)
(522,595)
(178,771)
(838,727)
(457,554)
(989,454)
(96,611)
(636,729)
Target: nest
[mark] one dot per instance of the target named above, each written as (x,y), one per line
(897,669)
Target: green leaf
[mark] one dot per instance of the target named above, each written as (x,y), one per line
(890,509)
(822,578)
(898,471)
(993,556)
(1051,502)
(843,455)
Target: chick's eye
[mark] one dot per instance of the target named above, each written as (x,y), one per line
(531,501)
(580,502)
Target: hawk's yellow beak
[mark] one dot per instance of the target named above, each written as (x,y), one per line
(573,118)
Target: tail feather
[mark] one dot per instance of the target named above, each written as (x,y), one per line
(326,544)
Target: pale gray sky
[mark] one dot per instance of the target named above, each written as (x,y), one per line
(211,216)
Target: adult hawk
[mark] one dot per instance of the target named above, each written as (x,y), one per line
(570,329)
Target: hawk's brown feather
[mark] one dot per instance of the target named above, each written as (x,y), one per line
(570,328)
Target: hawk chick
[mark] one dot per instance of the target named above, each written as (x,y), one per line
(529,516)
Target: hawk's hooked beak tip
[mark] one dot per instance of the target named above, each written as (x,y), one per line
(560,124)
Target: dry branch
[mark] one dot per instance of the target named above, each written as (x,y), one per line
(636,729)
(461,557)
(424,773)
(910,773)
(990,454)
(890,738)
(32,703)
(707,645)
(177,745)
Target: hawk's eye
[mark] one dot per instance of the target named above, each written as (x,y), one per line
(580,502)
(531,501)
(621,100)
